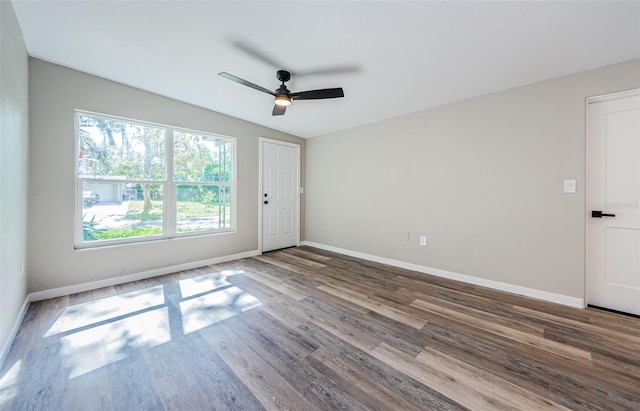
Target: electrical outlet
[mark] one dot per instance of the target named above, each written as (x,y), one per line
(423,240)
(406,236)
(22,269)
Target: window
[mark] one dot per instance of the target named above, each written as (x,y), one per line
(140,181)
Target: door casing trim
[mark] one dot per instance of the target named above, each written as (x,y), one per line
(588,101)
(261,141)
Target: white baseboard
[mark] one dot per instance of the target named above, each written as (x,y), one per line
(14,331)
(496,285)
(78,288)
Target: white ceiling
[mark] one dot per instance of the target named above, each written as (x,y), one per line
(409,56)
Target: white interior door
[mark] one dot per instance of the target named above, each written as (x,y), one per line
(280,195)
(613,200)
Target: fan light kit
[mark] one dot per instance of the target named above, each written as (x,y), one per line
(284,97)
(283,101)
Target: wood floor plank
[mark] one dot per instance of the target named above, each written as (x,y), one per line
(222,385)
(620,374)
(504,321)
(386,379)
(300,252)
(259,321)
(132,386)
(348,306)
(498,307)
(41,388)
(377,306)
(440,381)
(87,392)
(296,260)
(624,323)
(317,388)
(358,330)
(534,341)
(490,295)
(334,320)
(172,378)
(356,383)
(276,304)
(475,378)
(92,295)
(273,391)
(277,284)
(284,265)
(626,341)
(38,320)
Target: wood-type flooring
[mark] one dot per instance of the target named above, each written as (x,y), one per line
(307,329)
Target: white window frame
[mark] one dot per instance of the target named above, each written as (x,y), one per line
(169,187)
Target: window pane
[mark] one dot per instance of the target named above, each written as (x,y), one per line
(203,207)
(118,210)
(117,149)
(202,158)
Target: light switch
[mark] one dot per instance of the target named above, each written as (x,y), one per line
(569,186)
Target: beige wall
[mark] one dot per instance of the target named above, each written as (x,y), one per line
(13,169)
(55,92)
(481,178)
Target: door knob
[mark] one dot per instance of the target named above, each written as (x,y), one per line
(600,214)
(266,202)
(265,194)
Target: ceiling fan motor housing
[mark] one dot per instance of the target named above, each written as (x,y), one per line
(282,90)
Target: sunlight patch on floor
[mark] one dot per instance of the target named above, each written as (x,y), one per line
(104,309)
(98,333)
(229,273)
(211,308)
(202,284)
(88,350)
(9,384)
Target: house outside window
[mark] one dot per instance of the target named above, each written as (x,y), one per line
(139,181)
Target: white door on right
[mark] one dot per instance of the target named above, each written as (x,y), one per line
(613,204)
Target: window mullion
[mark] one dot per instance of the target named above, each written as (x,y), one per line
(170,200)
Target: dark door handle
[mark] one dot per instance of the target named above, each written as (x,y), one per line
(266,202)
(600,214)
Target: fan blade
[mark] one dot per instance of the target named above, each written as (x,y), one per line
(325,71)
(245,83)
(318,94)
(278,110)
(254,52)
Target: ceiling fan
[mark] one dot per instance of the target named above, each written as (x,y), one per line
(284,97)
